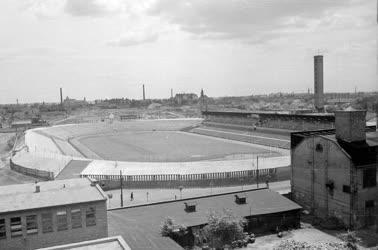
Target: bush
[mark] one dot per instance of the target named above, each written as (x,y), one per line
(169,228)
(350,239)
(225,229)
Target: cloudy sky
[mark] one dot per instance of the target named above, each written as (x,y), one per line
(109,48)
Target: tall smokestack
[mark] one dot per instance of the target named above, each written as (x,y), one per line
(61,97)
(318,83)
(171,93)
(144,93)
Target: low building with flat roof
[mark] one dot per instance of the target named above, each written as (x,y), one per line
(44,214)
(140,226)
(110,243)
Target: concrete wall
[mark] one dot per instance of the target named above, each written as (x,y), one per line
(316,162)
(41,174)
(40,239)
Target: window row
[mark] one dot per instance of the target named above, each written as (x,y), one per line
(31,222)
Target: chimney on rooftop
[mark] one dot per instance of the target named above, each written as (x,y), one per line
(37,189)
(350,125)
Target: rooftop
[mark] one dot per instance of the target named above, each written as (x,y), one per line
(362,153)
(140,225)
(52,193)
(110,243)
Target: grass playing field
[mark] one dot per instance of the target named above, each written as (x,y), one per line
(164,146)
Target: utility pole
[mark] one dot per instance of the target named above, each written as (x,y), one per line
(257,171)
(121,180)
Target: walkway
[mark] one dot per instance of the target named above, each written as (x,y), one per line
(73,169)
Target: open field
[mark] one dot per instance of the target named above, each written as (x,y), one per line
(164,146)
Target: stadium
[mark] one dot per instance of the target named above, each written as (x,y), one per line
(166,153)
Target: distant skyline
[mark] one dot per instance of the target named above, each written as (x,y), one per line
(109,48)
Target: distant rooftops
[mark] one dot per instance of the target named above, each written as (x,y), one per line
(48,194)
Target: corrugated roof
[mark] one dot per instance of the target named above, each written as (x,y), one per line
(52,193)
(143,222)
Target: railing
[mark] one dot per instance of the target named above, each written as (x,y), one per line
(193,180)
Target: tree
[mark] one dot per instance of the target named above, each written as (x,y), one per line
(224,228)
(170,229)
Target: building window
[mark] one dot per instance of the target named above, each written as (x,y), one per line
(16,227)
(319,148)
(3,231)
(47,222)
(369,213)
(346,189)
(369,178)
(90,216)
(369,204)
(61,217)
(31,224)
(76,218)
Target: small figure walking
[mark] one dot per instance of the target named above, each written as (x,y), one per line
(132,196)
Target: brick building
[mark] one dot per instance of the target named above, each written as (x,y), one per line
(51,213)
(334,172)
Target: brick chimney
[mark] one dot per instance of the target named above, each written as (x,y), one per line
(350,125)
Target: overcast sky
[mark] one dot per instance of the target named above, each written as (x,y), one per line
(109,48)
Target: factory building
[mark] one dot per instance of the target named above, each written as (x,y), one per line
(334,172)
(318,83)
(44,214)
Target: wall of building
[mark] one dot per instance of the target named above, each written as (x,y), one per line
(363,195)
(315,162)
(40,239)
